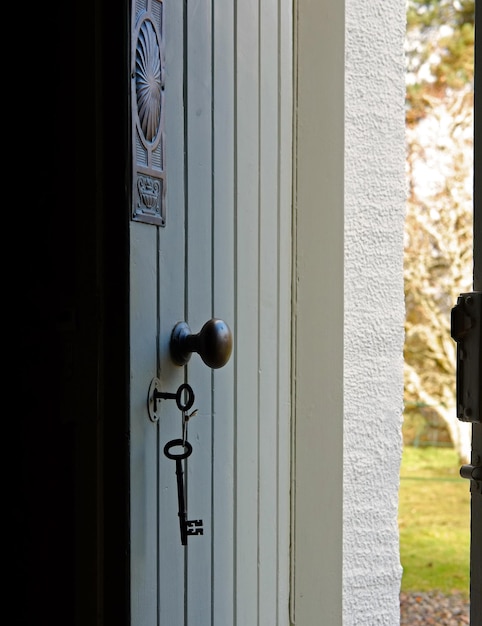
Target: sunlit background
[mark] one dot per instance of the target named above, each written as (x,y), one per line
(434,510)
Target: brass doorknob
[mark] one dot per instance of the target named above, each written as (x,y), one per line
(213,343)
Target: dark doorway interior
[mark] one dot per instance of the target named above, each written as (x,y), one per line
(70,441)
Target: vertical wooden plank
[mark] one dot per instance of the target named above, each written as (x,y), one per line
(143,432)
(223,495)
(144,452)
(199,307)
(285,174)
(268,312)
(247,302)
(170,272)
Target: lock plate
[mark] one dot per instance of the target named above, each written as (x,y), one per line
(152,404)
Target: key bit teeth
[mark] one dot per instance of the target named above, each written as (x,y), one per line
(194,527)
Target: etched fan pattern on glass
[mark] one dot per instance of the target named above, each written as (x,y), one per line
(148,81)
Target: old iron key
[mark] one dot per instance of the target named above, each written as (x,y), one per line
(186,527)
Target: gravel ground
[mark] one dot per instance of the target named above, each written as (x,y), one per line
(419,609)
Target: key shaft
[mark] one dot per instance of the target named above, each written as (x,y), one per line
(181,501)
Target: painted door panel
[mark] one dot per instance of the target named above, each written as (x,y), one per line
(221,249)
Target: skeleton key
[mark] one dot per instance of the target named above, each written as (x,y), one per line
(184,396)
(186,527)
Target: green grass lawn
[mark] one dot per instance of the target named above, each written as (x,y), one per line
(434,521)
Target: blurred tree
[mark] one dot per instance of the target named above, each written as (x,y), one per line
(438,233)
(439,51)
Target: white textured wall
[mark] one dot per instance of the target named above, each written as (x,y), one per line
(374,308)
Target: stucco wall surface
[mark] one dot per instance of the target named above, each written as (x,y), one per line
(375,193)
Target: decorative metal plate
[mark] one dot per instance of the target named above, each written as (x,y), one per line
(147,113)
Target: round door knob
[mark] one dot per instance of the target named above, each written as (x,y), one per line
(213,343)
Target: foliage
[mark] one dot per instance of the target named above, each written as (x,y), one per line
(434,522)
(422,426)
(439,51)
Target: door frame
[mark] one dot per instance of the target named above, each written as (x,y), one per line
(317,319)
(476,486)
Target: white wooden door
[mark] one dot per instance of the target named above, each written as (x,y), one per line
(210,238)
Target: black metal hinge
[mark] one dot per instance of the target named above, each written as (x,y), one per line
(466,321)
